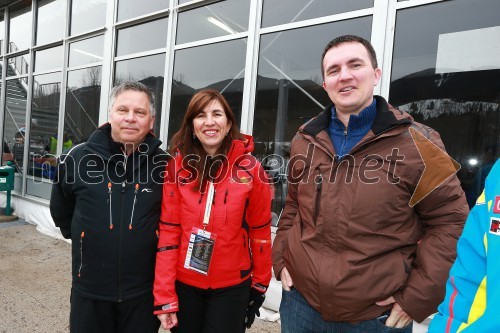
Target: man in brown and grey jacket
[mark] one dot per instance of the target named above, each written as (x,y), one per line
(373,212)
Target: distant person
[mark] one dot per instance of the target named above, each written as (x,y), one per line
(472,291)
(213,265)
(352,253)
(107,198)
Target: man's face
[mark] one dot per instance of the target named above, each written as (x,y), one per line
(130,117)
(349,77)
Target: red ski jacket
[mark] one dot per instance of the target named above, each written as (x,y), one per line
(240,218)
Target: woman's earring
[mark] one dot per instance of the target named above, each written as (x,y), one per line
(227,133)
(194,137)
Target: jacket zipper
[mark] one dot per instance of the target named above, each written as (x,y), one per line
(319,188)
(120,245)
(133,206)
(109,201)
(82,235)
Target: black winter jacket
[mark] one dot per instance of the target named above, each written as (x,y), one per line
(109,206)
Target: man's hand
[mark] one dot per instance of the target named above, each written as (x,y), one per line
(398,317)
(286,280)
(168,320)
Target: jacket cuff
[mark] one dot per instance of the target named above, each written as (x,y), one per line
(166,308)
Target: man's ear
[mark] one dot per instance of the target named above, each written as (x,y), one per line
(378,75)
(323,85)
(152,123)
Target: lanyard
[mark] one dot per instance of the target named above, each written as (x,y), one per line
(208,206)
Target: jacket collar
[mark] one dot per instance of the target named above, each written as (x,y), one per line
(101,143)
(387,117)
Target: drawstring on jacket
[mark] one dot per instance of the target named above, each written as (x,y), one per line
(133,206)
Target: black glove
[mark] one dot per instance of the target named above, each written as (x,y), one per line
(254,303)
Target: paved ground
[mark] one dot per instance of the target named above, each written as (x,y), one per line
(35,283)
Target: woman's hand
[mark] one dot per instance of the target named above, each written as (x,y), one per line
(168,320)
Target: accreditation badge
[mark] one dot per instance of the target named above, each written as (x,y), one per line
(200,251)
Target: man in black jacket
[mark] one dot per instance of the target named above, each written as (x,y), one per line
(106,197)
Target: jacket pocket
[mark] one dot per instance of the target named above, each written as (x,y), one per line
(318,184)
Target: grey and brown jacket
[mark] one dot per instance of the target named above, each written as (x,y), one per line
(348,235)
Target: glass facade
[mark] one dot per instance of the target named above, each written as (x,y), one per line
(219,66)
(87,15)
(142,37)
(61,58)
(284,11)
(444,75)
(128,9)
(51,15)
(219,19)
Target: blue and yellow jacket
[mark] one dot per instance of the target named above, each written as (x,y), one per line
(472,296)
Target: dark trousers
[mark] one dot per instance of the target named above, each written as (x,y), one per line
(297,316)
(219,310)
(91,316)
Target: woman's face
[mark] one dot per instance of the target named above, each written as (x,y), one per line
(210,126)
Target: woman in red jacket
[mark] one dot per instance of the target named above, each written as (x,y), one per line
(214,227)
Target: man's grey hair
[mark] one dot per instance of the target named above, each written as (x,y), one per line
(135,86)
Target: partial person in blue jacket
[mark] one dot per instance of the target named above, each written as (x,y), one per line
(472,291)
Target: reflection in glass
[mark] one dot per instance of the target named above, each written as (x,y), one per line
(285,11)
(86,51)
(48,59)
(18,65)
(83,96)
(148,70)
(142,37)
(87,15)
(218,19)
(20,27)
(435,78)
(132,8)
(2,30)
(289,91)
(15,120)
(219,66)
(44,123)
(50,19)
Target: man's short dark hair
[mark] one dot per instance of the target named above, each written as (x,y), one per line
(135,86)
(349,39)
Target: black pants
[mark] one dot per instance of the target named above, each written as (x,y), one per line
(91,316)
(211,310)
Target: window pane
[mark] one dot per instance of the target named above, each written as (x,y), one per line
(148,70)
(20,27)
(50,21)
(83,96)
(143,37)
(15,119)
(87,15)
(18,65)
(218,66)
(87,51)
(285,11)
(2,30)
(48,59)
(443,74)
(218,19)
(132,8)
(44,123)
(289,91)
